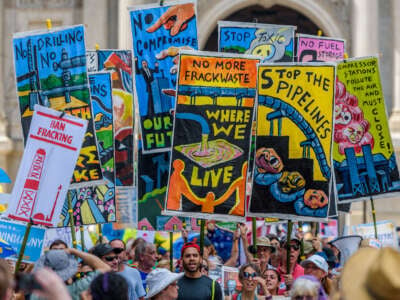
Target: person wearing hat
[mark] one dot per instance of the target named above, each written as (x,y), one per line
(264,250)
(317,266)
(65,265)
(162,284)
(193,285)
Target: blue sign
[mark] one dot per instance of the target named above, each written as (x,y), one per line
(13,234)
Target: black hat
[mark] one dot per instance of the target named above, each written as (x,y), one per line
(102,249)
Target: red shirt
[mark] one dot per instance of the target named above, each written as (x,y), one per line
(297,272)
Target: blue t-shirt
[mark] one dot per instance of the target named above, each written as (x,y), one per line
(143,275)
(133,278)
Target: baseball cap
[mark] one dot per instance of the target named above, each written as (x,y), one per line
(102,249)
(317,260)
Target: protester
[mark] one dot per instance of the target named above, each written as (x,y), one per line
(58,245)
(108,255)
(162,285)
(205,266)
(240,233)
(275,258)
(132,262)
(271,277)
(65,266)
(287,278)
(131,275)
(6,290)
(146,255)
(308,287)
(107,286)
(249,277)
(264,251)
(193,285)
(210,253)
(317,266)
(308,249)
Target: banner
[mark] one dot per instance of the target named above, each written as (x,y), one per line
(213,119)
(50,69)
(311,48)
(96,204)
(65,235)
(292,172)
(274,43)
(119,64)
(158,35)
(387,233)
(13,233)
(363,153)
(51,151)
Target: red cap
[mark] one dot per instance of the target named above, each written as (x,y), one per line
(189,245)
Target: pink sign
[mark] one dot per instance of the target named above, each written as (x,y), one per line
(316,48)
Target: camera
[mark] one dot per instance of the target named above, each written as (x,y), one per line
(26,282)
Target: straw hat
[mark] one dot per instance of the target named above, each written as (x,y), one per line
(372,274)
(159,279)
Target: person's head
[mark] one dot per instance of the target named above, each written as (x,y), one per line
(306,288)
(58,245)
(294,251)
(264,249)
(191,259)
(109,286)
(274,240)
(5,281)
(316,266)
(119,248)
(131,249)
(247,273)
(107,254)
(272,279)
(144,64)
(146,255)
(308,248)
(205,267)
(162,284)
(63,264)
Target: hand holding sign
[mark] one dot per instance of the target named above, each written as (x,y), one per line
(175,19)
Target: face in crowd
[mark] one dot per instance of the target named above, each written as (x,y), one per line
(112,260)
(191,260)
(149,257)
(264,253)
(170,292)
(272,280)
(311,269)
(248,279)
(294,252)
(119,248)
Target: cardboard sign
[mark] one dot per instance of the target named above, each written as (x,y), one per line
(44,174)
(292,173)
(119,64)
(311,48)
(387,234)
(50,68)
(363,154)
(158,34)
(213,119)
(274,43)
(13,233)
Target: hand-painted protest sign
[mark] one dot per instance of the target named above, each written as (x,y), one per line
(272,42)
(363,154)
(311,48)
(65,235)
(231,284)
(45,172)
(387,234)
(126,206)
(50,69)
(213,119)
(96,204)
(13,234)
(158,35)
(119,63)
(292,172)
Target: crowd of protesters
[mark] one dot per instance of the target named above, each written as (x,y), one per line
(140,270)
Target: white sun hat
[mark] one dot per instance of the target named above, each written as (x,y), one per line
(159,279)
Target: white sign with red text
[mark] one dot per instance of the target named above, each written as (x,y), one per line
(49,159)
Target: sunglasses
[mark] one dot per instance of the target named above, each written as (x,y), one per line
(110,258)
(293,247)
(247,275)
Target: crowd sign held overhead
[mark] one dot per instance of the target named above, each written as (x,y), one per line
(50,69)
(312,48)
(46,167)
(294,140)
(159,33)
(213,117)
(363,155)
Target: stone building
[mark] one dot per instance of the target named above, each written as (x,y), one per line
(369,27)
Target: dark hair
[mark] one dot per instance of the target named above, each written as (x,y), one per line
(58,242)
(119,241)
(5,278)
(242,268)
(109,286)
(272,236)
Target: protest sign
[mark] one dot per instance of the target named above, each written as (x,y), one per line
(231,284)
(311,48)
(126,206)
(363,154)
(119,64)
(45,172)
(157,38)
(96,204)
(65,235)
(387,234)
(13,234)
(213,119)
(50,68)
(292,172)
(274,43)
